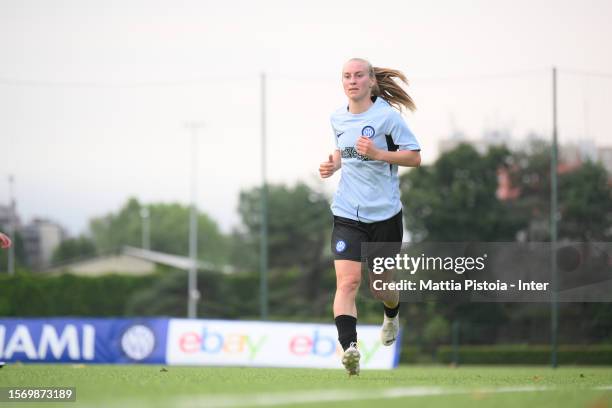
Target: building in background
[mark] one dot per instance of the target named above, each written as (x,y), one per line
(120,263)
(40,238)
(5,219)
(133,261)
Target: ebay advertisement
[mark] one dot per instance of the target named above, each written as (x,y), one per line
(270,344)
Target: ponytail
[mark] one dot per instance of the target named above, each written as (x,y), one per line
(391,91)
(387,88)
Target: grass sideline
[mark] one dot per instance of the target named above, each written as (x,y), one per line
(427,386)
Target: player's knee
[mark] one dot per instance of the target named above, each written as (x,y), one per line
(348,285)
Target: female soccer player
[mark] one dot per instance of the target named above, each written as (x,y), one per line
(372,140)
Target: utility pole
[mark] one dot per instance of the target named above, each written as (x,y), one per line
(263,258)
(553,229)
(11,226)
(193,295)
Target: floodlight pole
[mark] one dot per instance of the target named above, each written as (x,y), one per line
(553,230)
(263,257)
(193,295)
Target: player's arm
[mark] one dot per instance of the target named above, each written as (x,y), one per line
(333,164)
(337,159)
(406,158)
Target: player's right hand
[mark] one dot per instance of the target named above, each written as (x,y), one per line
(327,169)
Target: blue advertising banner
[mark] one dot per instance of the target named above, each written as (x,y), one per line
(185,342)
(72,340)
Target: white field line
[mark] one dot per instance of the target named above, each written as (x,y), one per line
(319,396)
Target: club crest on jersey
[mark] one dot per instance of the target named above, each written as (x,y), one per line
(340,245)
(367,131)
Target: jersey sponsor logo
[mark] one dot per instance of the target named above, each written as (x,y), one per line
(339,134)
(351,153)
(340,245)
(368,131)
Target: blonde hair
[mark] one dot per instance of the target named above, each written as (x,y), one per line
(387,88)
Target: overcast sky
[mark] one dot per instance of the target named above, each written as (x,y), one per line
(94,95)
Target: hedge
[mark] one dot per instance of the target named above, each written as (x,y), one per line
(27,295)
(163,293)
(598,354)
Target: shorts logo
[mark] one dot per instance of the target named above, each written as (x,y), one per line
(368,131)
(340,246)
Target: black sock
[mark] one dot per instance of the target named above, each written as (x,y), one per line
(391,312)
(347,330)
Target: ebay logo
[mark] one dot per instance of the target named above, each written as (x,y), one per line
(320,345)
(212,342)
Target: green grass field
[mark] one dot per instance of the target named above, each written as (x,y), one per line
(422,386)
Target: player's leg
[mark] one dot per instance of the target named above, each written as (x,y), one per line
(390,301)
(391,233)
(348,278)
(346,241)
(389,298)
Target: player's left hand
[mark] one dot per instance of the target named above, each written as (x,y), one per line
(366,147)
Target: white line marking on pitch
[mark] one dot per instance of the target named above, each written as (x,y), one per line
(320,396)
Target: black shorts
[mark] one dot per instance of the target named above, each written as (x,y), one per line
(348,235)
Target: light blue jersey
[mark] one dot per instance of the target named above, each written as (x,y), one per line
(369,189)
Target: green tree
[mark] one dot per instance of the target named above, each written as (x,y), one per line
(585,198)
(299,227)
(529,171)
(455,198)
(584,194)
(72,249)
(169,231)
